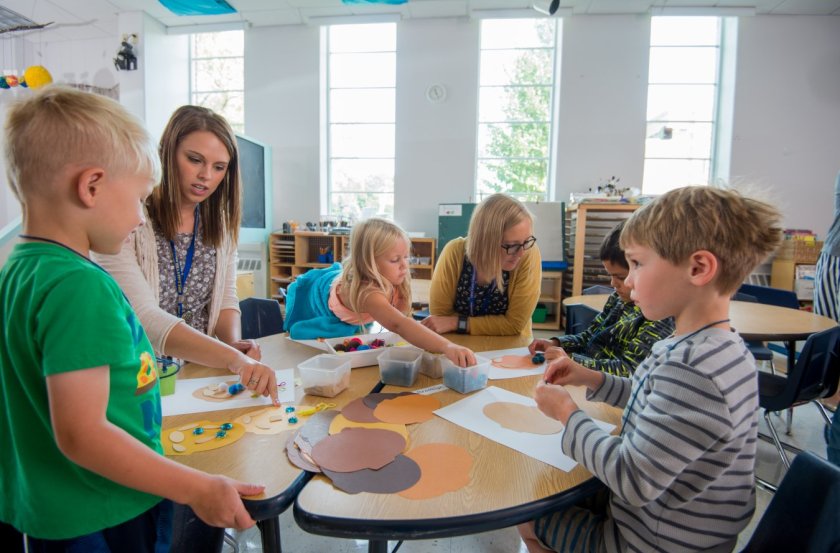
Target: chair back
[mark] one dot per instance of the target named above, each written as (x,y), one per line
(579,317)
(771,296)
(814,376)
(260,317)
(802,516)
(741,296)
(598,289)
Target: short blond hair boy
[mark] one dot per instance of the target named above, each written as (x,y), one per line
(80,452)
(679,477)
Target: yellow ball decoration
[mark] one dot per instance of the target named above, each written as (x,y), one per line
(37,76)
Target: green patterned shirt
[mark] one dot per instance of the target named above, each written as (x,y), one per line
(617,340)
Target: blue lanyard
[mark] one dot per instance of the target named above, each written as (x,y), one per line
(182,275)
(486,299)
(671,347)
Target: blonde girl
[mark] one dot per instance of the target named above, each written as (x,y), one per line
(374,284)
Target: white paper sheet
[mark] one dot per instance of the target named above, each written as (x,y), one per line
(183,401)
(500,374)
(469,413)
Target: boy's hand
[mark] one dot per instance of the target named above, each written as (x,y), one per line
(249,348)
(555,352)
(257,377)
(564,370)
(461,356)
(554,401)
(218,503)
(541,345)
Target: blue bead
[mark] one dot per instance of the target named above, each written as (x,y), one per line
(197,431)
(221,434)
(538,359)
(236,388)
(290,409)
(226,426)
(292,420)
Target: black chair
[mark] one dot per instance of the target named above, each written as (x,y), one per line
(771,296)
(758,349)
(803,514)
(578,317)
(815,376)
(260,317)
(598,289)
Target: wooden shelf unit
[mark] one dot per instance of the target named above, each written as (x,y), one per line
(291,255)
(586,226)
(551,296)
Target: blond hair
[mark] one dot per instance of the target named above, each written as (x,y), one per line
(739,231)
(221,213)
(490,220)
(58,126)
(360,276)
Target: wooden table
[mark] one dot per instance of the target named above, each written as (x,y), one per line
(753,321)
(258,458)
(506,487)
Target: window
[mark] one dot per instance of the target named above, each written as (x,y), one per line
(682,102)
(516,81)
(217,73)
(361,91)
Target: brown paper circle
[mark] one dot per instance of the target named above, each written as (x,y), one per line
(357,448)
(443,468)
(372,400)
(357,411)
(515,362)
(407,409)
(400,474)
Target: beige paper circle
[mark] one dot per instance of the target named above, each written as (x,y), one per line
(521,418)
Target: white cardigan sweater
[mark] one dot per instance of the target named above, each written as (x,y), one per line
(135,268)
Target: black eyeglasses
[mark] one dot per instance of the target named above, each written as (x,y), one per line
(513,249)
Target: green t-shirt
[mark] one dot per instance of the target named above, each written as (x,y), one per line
(59,312)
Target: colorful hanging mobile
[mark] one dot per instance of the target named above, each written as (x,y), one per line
(35,76)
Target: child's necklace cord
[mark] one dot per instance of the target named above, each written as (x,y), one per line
(51,241)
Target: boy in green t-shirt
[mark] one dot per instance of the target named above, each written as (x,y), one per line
(80,454)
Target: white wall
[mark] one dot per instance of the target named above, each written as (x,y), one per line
(435,144)
(282,109)
(787,114)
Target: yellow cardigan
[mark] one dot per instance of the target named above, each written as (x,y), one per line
(523,292)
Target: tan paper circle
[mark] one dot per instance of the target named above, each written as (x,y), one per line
(521,418)
(443,468)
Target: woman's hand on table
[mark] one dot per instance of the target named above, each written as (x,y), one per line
(461,356)
(249,347)
(441,324)
(256,377)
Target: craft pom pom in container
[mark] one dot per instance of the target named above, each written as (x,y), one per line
(398,366)
(325,375)
(367,349)
(466,379)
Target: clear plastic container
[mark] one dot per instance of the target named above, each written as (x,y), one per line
(430,364)
(367,357)
(398,366)
(466,379)
(325,375)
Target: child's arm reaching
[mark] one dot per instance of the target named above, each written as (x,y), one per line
(78,403)
(385,314)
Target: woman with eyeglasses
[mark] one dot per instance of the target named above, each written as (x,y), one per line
(489,282)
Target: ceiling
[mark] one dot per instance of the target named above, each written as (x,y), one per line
(85,19)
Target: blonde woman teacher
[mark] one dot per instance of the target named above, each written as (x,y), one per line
(489,282)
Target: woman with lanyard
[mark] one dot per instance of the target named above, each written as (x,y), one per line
(179,269)
(489,282)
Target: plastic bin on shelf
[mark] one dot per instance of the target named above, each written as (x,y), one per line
(398,366)
(325,375)
(466,379)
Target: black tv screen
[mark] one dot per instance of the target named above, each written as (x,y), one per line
(256,176)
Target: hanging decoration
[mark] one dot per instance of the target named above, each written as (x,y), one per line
(35,76)
(126,59)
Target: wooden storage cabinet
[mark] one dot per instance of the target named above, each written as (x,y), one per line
(291,255)
(586,227)
(551,296)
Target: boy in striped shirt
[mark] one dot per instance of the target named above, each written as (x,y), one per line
(679,477)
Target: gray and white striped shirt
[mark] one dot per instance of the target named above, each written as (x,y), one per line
(681,473)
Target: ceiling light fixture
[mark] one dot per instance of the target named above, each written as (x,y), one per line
(354,19)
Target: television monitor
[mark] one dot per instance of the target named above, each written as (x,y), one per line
(255,171)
